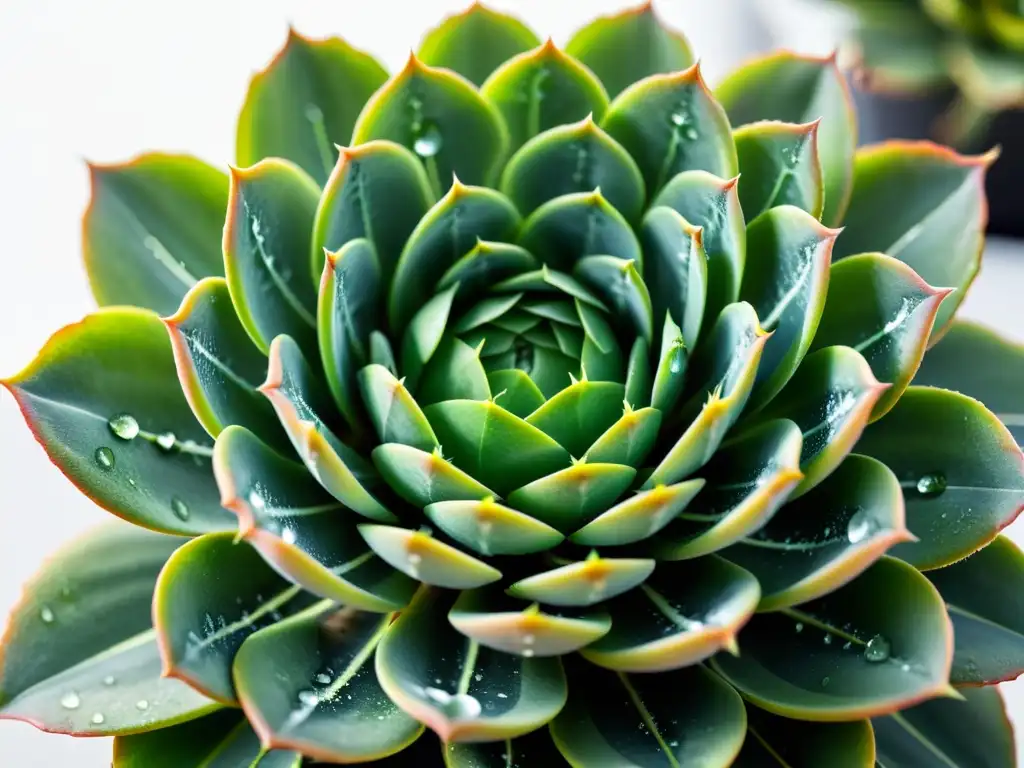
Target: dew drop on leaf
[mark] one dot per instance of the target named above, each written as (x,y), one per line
(70,700)
(46,614)
(309,698)
(931,485)
(124,426)
(104,458)
(109,680)
(179,508)
(323,679)
(824,682)
(166,441)
(877,650)
(861,526)
(142,705)
(429,142)
(799,626)
(98,718)
(460,706)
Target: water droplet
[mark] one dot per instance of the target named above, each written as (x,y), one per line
(679,118)
(824,682)
(799,626)
(529,653)
(309,698)
(415,559)
(323,679)
(104,458)
(142,705)
(691,133)
(256,501)
(931,485)
(529,639)
(124,426)
(877,649)
(861,526)
(847,645)
(70,700)
(828,639)
(109,680)
(905,667)
(46,614)
(166,441)
(460,706)
(429,142)
(98,718)
(179,508)
(502,695)
(288,535)
(478,677)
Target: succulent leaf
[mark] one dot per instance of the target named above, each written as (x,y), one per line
(152,229)
(840,678)
(798,89)
(102,398)
(629,46)
(675,269)
(542,89)
(305,103)
(779,741)
(938,214)
(65,672)
(476,42)
(779,164)
(957,500)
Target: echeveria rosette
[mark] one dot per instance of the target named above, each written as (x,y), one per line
(544,400)
(924,47)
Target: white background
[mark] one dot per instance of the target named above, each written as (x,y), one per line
(106,79)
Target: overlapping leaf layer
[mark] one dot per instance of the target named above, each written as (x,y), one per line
(543,400)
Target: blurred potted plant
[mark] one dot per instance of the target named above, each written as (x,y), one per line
(947,70)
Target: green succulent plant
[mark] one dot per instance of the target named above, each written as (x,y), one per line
(543,399)
(972,47)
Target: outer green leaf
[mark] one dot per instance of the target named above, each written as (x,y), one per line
(476,42)
(300,530)
(307,684)
(302,405)
(221,740)
(426,559)
(423,478)
(535,748)
(713,204)
(441,117)
(830,398)
(984,600)
(977,362)
(688,611)
(492,529)
(152,229)
(779,164)
(507,625)
(573,496)
(671,123)
(306,102)
(266,238)
(783,743)
(589,582)
(786,281)
(798,89)
(961,471)
(578,157)
(628,440)
(348,308)
(827,538)
(542,89)
(218,366)
(567,228)
(925,206)
(378,191)
(638,517)
(629,46)
(675,269)
(64,671)
(115,364)
(450,231)
(499,449)
(958,734)
(747,481)
(211,595)
(787,666)
(880,307)
(460,690)
(579,414)
(393,411)
(680,718)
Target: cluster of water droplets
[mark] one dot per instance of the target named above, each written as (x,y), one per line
(427,139)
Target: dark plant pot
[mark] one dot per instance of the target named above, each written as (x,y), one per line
(882,116)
